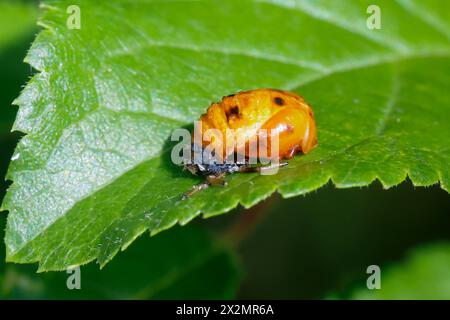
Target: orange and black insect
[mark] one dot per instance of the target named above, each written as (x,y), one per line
(248,113)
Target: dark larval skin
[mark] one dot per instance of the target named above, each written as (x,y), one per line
(207,164)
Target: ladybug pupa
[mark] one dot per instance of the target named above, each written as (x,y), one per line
(250,115)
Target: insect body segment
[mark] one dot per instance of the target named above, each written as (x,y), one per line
(248,112)
(251,116)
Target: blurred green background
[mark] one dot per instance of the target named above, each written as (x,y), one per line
(314,246)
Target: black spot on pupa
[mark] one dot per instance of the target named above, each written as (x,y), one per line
(233,112)
(230,95)
(279,101)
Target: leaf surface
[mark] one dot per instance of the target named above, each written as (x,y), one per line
(94,170)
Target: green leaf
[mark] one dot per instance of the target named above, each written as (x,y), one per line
(423,275)
(185,263)
(94,170)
